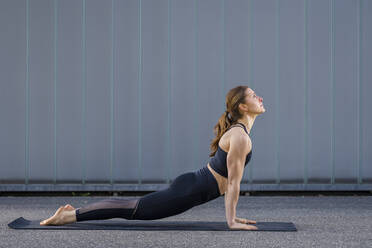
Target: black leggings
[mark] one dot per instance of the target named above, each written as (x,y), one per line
(186,191)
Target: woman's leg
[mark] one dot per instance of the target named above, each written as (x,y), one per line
(186,191)
(107,209)
(176,195)
(104,209)
(175,199)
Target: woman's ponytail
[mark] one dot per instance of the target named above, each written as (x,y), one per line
(229,117)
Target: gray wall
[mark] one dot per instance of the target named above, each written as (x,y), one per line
(124,94)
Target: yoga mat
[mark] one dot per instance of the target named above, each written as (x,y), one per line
(150,225)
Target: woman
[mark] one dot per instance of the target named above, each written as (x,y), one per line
(231,151)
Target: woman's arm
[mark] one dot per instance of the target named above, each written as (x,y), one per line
(231,200)
(239,147)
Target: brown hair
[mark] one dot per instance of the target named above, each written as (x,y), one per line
(234,97)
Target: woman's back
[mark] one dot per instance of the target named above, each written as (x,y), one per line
(219,161)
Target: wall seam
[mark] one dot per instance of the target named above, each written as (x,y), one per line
(27,126)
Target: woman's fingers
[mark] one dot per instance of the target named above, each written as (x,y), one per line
(241,220)
(250,227)
(240,226)
(245,221)
(252,222)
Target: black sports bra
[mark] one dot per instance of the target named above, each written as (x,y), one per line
(218,161)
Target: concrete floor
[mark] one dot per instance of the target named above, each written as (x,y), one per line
(327,221)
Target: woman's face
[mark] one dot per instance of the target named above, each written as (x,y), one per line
(254,103)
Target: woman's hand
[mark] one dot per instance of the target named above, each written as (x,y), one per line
(244,221)
(239,226)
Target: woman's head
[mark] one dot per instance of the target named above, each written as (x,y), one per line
(240,101)
(253,104)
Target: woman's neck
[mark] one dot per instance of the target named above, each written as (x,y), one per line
(248,121)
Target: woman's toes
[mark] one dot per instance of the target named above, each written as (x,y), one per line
(55,219)
(69,207)
(59,210)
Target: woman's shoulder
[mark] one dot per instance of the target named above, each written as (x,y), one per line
(233,131)
(234,135)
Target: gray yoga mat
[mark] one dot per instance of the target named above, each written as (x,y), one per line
(150,225)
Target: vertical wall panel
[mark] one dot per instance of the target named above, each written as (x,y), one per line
(182,81)
(69,90)
(126,95)
(41,91)
(345,91)
(365,90)
(291,91)
(154,89)
(13,105)
(319,91)
(98,64)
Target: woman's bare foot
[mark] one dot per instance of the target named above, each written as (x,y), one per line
(64,215)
